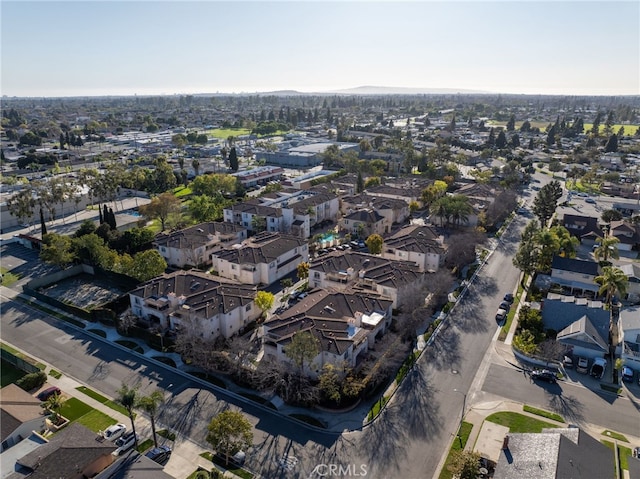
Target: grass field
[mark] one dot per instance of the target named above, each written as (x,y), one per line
(103,400)
(543,413)
(224,133)
(458,444)
(8,278)
(615,435)
(518,422)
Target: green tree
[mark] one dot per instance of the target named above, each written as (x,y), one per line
(608,248)
(286,283)
(548,245)
(546,201)
(611,215)
(612,144)
(258,223)
(150,404)
(330,383)
(92,250)
(612,281)
(303,270)
(464,464)
(302,349)
(128,397)
(374,243)
(57,249)
(264,301)
(179,140)
(359,184)
(233,159)
(147,264)
(229,433)
(22,204)
(371,182)
(526,257)
(214,185)
(511,124)
(195,164)
(161,207)
(568,244)
(204,208)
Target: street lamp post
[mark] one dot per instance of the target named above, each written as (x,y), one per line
(464,405)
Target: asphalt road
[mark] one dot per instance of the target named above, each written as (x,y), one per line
(409,438)
(574,402)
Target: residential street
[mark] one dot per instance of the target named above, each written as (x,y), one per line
(461,368)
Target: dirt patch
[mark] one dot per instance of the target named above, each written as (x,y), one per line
(84,291)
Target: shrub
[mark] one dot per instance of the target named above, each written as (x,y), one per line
(32,381)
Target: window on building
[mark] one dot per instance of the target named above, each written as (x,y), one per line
(248,308)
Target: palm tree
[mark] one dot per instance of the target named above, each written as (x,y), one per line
(460,209)
(440,209)
(607,248)
(612,281)
(548,244)
(149,404)
(128,398)
(568,244)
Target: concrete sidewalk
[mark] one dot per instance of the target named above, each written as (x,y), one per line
(479,413)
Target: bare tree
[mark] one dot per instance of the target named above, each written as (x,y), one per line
(551,350)
(462,249)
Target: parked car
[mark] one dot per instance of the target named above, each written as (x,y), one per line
(501,314)
(160,454)
(583,365)
(508,298)
(636,452)
(590,200)
(598,367)
(505,305)
(126,442)
(627,374)
(47,393)
(302,295)
(544,375)
(567,362)
(114,432)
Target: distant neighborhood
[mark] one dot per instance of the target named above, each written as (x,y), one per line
(308,252)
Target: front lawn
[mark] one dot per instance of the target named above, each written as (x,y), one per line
(458,444)
(517,422)
(103,400)
(543,413)
(96,421)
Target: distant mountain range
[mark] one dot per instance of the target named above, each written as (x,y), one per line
(378,90)
(390,90)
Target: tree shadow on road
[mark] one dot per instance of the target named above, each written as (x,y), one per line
(444,351)
(413,414)
(569,407)
(185,411)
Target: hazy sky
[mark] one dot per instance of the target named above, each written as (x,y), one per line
(55,48)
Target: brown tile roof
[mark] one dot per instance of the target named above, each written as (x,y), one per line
(265,247)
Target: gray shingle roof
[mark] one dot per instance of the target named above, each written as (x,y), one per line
(416,238)
(265,247)
(73,447)
(555,454)
(381,270)
(575,265)
(325,314)
(558,315)
(196,235)
(205,294)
